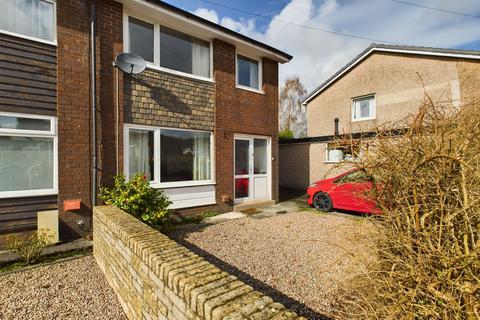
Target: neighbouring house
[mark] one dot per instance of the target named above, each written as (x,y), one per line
(200,122)
(382,85)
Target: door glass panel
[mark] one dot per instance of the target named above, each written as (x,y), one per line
(241,187)
(260,156)
(242,157)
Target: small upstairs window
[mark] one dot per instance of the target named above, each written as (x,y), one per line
(29,18)
(248,73)
(363,108)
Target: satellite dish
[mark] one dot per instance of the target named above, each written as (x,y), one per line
(130,63)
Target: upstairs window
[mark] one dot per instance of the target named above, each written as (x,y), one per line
(363,108)
(248,73)
(181,52)
(30,18)
(141,38)
(169,49)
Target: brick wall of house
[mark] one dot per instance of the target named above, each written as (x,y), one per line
(242,111)
(74,161)
(110,44)
(160,99)
(74,105)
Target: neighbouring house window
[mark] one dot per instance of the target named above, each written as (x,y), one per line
(363,108)
(31,18)
(140,153)
(177,155)
(141,38)
(248,72)
(337,152)
(27,156)
(181,52)
(169,49)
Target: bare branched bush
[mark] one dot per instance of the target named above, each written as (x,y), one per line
(29,247)
(427,181)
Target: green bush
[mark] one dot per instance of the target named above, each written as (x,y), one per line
(285,134)
(29,247)
(138,198)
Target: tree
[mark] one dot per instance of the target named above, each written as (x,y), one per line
(292,115)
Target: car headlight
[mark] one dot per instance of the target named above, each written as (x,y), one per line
(313,185)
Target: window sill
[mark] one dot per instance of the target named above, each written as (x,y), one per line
(179,73)
(18,35)
(181,184)
(363,119)
(332,162)
(250,89)
(27,193)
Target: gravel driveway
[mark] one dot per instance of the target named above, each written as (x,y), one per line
(298,259)
(74,289)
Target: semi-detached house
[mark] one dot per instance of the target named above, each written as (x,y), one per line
(381,86)
(200,122)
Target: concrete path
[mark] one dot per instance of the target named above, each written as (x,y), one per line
(292,205)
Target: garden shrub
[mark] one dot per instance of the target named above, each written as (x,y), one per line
(29,247)
(138,198)
(427,250)
(286,134)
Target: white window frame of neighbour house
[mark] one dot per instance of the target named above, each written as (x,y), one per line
(52,134)
(156,47)
(156,182)
(260,73)
(37,39)
(373,107)
(327,154)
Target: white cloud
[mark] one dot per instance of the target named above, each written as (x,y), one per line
(317,55)
(210,15)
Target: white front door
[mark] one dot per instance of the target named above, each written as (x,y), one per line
(252,168)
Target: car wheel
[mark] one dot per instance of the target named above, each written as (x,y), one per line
(322,202)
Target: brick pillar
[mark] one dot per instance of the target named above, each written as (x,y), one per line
(74,134)
(74,105)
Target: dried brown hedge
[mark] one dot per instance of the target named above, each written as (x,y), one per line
(428,250)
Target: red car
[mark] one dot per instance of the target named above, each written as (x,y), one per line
(348,191)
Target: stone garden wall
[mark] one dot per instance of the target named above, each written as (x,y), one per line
(156,278)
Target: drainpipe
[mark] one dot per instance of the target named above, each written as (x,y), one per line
(93,82)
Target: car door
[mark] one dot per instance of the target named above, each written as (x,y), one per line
(351,192)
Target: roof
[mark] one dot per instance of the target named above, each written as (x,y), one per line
(220,28)
(375,47)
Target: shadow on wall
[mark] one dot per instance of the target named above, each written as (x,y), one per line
(165,103)
(290,303)
(294,163)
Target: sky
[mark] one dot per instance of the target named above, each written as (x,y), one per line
(293,27)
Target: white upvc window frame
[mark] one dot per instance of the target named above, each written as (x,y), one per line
(34,134)
(156,47)
(156,183)
(260,73)
(352,108)
(53,42)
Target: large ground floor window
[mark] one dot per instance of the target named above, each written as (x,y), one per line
(169,156)
(28,155)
